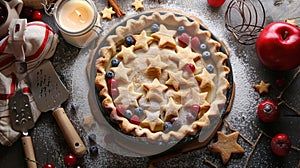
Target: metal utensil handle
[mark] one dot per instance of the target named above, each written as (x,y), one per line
(29,151)
(70,134)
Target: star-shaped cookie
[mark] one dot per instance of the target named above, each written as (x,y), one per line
(142,41)
(205,79)
(138,4)
(262,87)
(155,67)
(152,121)
(121,72)
(171,109)
(185,56)
(107,12)
(126,54)
(128,96)
(154,90)
(165,37)
(226,145)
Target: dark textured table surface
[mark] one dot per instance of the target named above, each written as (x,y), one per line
(70,63)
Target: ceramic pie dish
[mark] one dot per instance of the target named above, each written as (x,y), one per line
(161,77)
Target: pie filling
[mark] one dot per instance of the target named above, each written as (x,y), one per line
(162,76)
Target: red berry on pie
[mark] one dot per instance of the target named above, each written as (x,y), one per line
(70,160)
(135,120)
(120,109)
(112,83)
(195,108)
(268,111)
(114,92)
(281,144)
(37,15)
(190,68)
(215,3)
(195,43)
(183,40)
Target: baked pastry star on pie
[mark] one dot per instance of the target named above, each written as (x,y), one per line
(169,74)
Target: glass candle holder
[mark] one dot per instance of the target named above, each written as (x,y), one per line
(77,20)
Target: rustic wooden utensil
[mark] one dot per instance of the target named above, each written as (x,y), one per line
(49,93)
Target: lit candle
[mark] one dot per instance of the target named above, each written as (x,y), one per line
(75,15)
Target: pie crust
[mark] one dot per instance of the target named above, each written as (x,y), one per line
(173,65)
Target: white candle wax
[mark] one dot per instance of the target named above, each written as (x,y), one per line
(75,15)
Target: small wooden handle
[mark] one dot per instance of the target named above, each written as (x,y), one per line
(74,141)
(29,151)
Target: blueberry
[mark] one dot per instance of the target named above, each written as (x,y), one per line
(180,29)
(206,55)
(167,125)
(109,74)
(154,28)
(129,40)
(115,62)
(93,150)
(203,47)
(92,137)
(139,111)
(128,114)
(210,68)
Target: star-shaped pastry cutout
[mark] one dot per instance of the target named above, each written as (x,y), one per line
(142,41)
(152,121)
(155,90)
(128,96)
(177,81)
(205,79)
(107,12)
(126,54)
(171,109)
(185,56)
(165,37)
(262,87)
(155,67)
(89,121)
(121,72)
(194,96)
(226,145)
(138,4)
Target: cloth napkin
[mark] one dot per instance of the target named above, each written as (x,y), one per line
(40,44)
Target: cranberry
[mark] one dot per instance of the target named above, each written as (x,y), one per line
(114,92)
(48,165)
(195,108)
(268,111)
(70,160)
(215,3)
(195,43)
(281,144)
(190,68)
(37,15)
(183,40)
(112,83)
(120,109)
(135,120)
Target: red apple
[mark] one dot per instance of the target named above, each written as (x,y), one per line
(278,46)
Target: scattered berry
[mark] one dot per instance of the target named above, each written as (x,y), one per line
(268,111)
(120,109)
(112,83)
(115,62)
(281,144)
(210,68)
(92,137)
(190,68)
(180,29)
(167,125)
(93,150)
(129,40)
(154,28)
(128,114)
(48,165)
(195,108)
(206,55)
(113,92)
(280,82)
(70,160)
(183,40)
(203,47)
(37,15)
(135,120)
(195,43)
(109,74)
(215,3)
(139,111)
